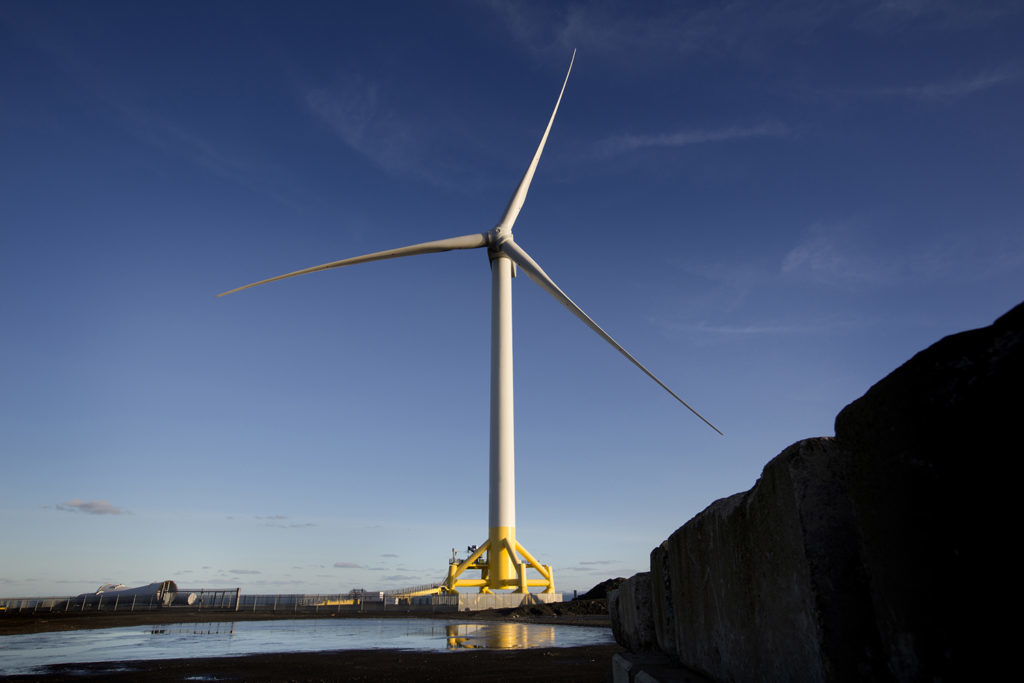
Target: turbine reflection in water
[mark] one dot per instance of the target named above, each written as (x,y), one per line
(499,636)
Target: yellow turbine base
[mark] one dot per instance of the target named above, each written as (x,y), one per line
(504,566)
(501,569)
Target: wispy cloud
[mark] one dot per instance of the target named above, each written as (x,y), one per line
(931,15)
(353,109)
(277,521)
(737,27)
(583,567)
(727,309)
(618,144)
(857,256)
(173,138)
(289,581)
(949,90)
(390,133)
(244,571)
(176,140)
(612,28)
(348,565)
(94,507)
(833,255)
(724,286)
(705,329)
(401,577)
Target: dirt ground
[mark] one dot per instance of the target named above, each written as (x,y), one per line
(592,663)
(589,663)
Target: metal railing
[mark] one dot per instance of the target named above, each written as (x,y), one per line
(232,600)
(208,598)
(422,589)
(79,603)
(335,603)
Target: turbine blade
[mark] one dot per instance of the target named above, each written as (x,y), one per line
(515,204)
(537,274)
(465,242)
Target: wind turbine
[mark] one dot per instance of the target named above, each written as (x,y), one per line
(501,567)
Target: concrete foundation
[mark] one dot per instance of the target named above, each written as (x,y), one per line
(477,601)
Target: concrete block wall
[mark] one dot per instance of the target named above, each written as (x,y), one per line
(857,557)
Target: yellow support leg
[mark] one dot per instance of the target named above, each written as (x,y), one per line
(502,569)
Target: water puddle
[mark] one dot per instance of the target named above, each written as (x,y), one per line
(20,654)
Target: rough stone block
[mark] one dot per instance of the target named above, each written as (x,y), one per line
(662,607)
(630,609)
(742,587)
(925,478)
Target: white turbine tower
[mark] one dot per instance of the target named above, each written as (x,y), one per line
(501,567)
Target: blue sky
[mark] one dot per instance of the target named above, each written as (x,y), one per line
(772,205)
